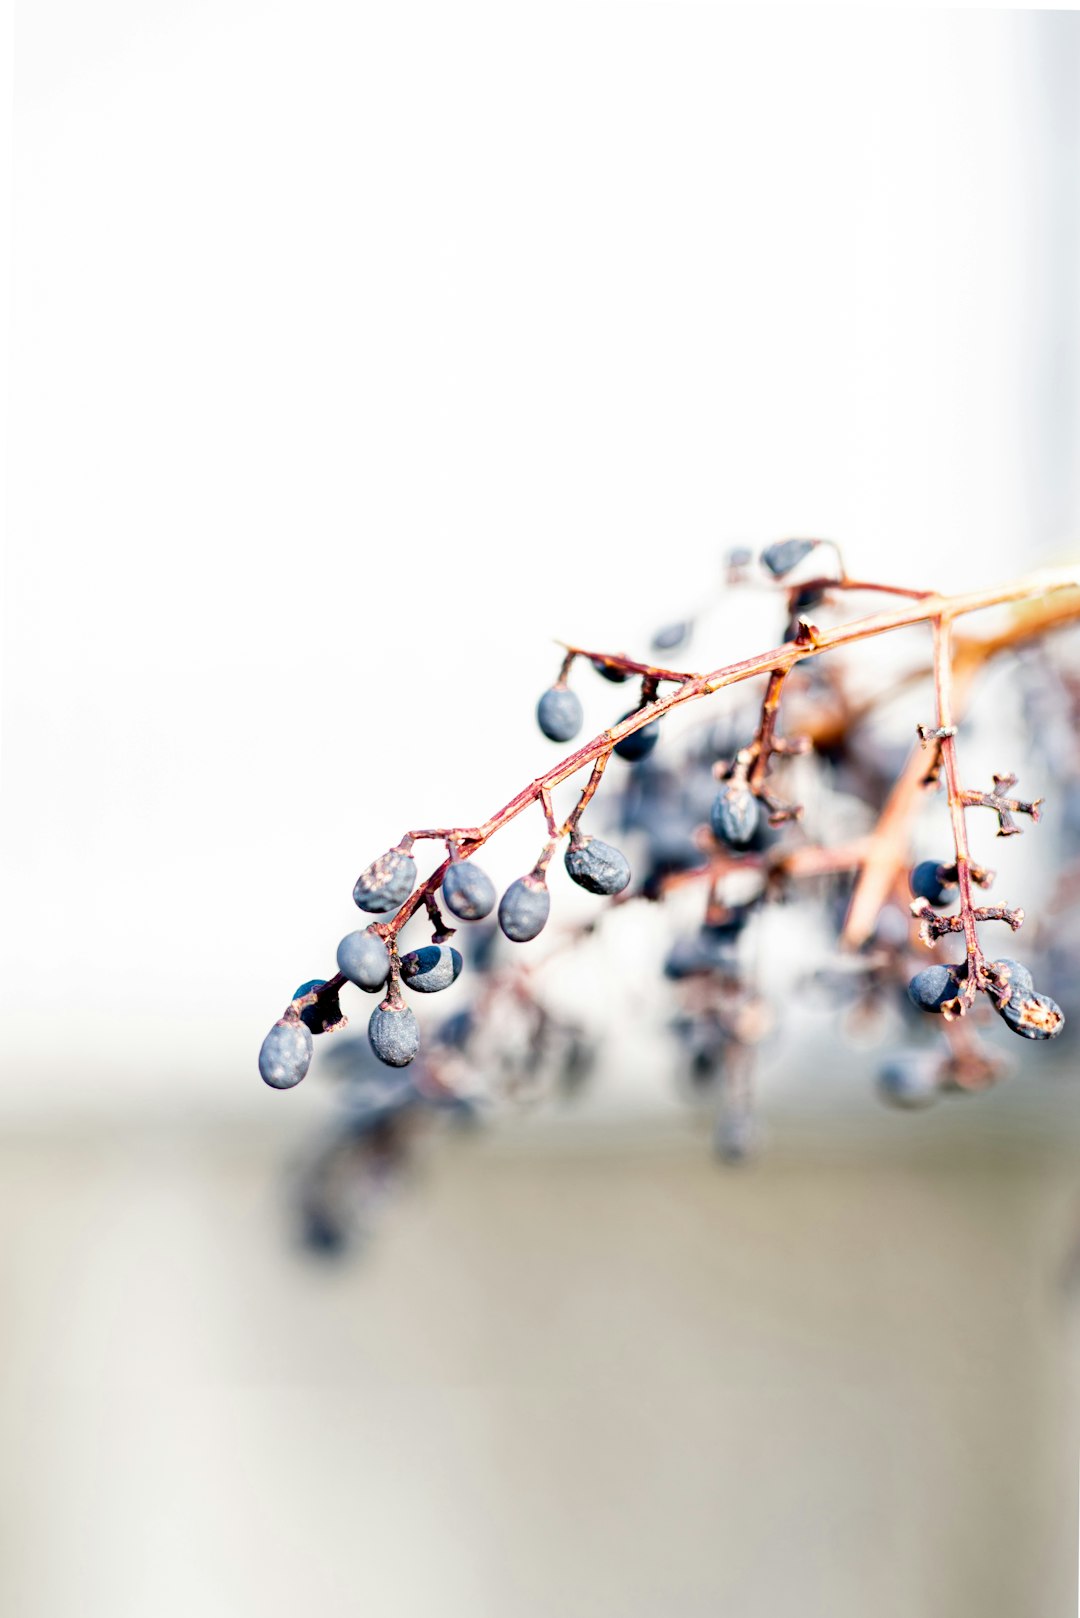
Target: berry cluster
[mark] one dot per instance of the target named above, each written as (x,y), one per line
(709,814)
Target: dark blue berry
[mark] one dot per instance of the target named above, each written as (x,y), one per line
(559,714)
(285,1055)
(1033,1016)
(387,882)
(394,1033)
(483,945)
(931,988)
(325,1014)
(735,815)
(926,881)
(710,949)
(910,1079)
(640,743)
(611,671)
(524,908)
(671,636)
(595,865)
(364,959)
(455,1032)
(1016,977)
(321,1232)
(469,892)
(785,554)
(430,969)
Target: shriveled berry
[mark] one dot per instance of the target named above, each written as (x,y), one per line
(285,1055)
(595,865)
(524,908)
(735,815)
(931,988)
(387,882)
(364,959)
(640,743)
(325,1014)
(910,1079)
(1033,1016)
(430,969)
(559,713)
(785,554)
(611,671)
(394,1033)
(927,882)
(468,891)
(1015,977)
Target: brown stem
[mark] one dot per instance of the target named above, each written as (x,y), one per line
(957,812)
(692,687)
(590,787)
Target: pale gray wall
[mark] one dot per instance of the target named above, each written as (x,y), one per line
(599,1383)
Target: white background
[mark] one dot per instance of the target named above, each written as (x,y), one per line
(358,352)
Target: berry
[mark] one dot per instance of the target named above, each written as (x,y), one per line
(430,969)
(786,554)
(524,908)
(595,865)
(286,1054)
(710,949)
(321,1233)
(483,943)
(672,635)
(910,1078)
(1033,1016)
(559,714)
(735,815)
(325,1014)
(640,743)
(927,882)
(610,671)
(1017,978)
(469,893)
(394,1033)
(455,1032)
(387,882)
(933,986)
(364,959)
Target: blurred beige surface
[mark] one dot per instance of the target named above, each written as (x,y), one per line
(577,1382)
